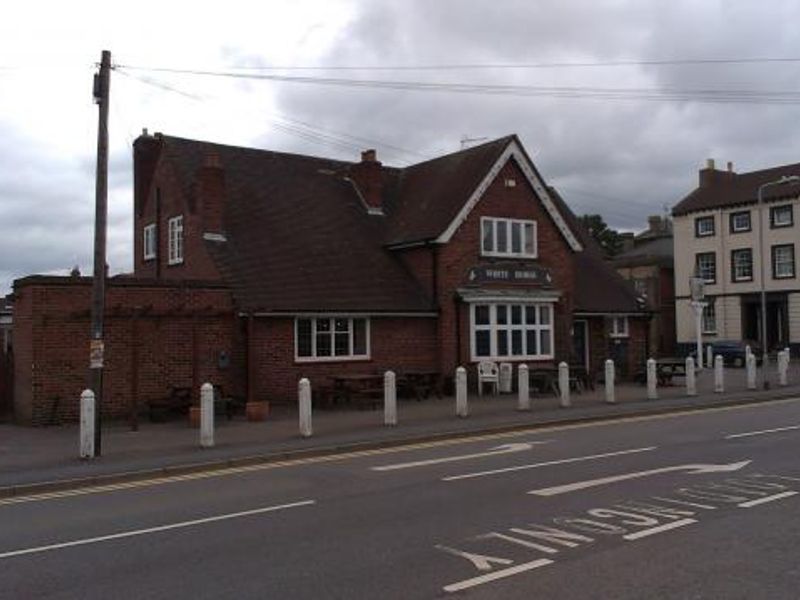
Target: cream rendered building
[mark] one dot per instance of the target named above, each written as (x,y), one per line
(716,236)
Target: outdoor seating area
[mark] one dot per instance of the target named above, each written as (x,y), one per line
(365,390)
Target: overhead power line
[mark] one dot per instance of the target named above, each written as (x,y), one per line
(716,96)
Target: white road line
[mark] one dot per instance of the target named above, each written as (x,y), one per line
(780,496)
(548,463)
(503,573)
(504,449)
(160,528)
(733,436)
(661,528)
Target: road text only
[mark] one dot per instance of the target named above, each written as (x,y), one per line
(498,555)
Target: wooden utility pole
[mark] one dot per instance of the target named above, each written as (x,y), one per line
(102,81)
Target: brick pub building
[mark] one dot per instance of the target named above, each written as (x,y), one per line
(253,269)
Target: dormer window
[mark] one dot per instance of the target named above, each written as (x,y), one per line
(508,238)
(175,228)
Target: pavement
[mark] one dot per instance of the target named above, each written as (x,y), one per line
(45,459)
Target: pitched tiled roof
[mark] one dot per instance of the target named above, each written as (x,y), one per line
(732,189)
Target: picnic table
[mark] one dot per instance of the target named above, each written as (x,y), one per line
(421,383)
(667,368)
(362,389)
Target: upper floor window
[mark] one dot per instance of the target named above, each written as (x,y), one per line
(619,327)
(149,241)
(781,216)
(709,320)
(703,226)
(175,227)
(706,266)
(508,237)
(740,221)
(783,261)
(742,264)
(331,338)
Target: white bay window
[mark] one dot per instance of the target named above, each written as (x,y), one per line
(518,331)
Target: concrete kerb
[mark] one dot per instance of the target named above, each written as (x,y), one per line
(617,411)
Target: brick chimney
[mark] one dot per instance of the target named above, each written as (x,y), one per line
(711,175)
(367,177)
(146,151)
(211,193)
(654,224)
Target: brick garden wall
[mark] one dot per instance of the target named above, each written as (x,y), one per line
(175,341)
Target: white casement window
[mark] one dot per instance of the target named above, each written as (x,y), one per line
(709,320)
(331,339)
(175,228)
(781,216)
(149,241)
(619,327)
(519,331)
(742,264)
(704,226)
(740,221)
(508,237)
(706,266)
(783,261)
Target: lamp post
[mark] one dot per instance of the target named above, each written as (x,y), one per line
(697,287)
(786,179)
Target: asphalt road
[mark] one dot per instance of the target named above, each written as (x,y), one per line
(701,505)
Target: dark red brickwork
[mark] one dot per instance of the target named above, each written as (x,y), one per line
(164,335)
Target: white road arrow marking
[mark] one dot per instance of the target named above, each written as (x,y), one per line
(504,449)
(693,469)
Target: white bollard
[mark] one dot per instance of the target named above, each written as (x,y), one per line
(462,410)
(747,351)
(719,375)
(207,415)
(609,377)
(783,367)
(652,381)
(389,399)
(750,365)
(523,388)
(304,405)
(87,424)
(691,381)
(709,357)
(563,384)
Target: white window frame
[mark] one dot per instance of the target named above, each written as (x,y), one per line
(700,271)
(776,264)
(493,327)
(175,229)
(709,319)
(698,229)
(738,271)
(350,356)
(496,223)
(785,209)
(735,228)
(149,241)
(619,327)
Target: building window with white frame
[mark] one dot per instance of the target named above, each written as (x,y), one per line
(518,331)
(706,266)
(619,327)
(740,221)
(331,338)
(149,241)
(709,318)
(781,216)
(783,261)
(742,264)
(704,226)
(515,238)
(175,246)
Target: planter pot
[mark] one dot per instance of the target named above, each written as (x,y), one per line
(194,417)
(257,411)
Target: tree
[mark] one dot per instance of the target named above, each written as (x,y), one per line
(608,239)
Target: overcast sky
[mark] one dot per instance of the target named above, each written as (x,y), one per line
(624,157)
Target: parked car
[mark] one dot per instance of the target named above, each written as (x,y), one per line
(733,351)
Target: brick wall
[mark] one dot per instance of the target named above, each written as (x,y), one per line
(174,341)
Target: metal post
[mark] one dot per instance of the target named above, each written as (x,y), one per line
(691,382)
(698,307)
(389,399)
(87,424)
(563,384)
(652,381)
(762,283)
(462,410)
(609,377)
(750,365)
(710,356)
(102,82)
(523,388)
(304,406)
(207,415)
(719,375)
